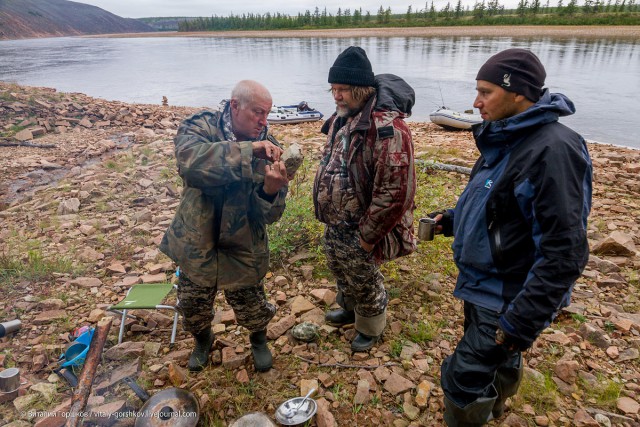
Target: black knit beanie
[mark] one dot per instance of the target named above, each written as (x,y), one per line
(352,67)
(515,70)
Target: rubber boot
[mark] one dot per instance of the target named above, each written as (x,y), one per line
(340,317)
(475,414)
(262,358)
(369,331)
(200,355)
(363,342)
(506,383)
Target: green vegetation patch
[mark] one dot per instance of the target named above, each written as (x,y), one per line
(298,227)
(538,391)
(33,267)
(604,393)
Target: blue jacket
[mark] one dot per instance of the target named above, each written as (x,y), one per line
(520,224)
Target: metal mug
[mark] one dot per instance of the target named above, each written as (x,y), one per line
(426,229)
(9,380)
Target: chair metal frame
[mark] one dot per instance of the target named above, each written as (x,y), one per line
(125,314)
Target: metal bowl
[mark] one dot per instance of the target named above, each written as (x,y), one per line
(304,413)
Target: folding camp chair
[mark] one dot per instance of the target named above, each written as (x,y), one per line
(149,296)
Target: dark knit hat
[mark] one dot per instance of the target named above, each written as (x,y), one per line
(515,70)
(352,67)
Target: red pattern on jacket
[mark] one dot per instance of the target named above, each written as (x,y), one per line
(369,182)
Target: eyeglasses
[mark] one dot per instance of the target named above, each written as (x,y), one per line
(340,90)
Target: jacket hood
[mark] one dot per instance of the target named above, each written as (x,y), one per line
(548,109)
(492,137)
(394,94)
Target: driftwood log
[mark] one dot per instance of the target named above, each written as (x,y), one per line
(26,144)
(81,393)
(430,164)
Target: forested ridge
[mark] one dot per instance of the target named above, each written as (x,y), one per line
(528,12)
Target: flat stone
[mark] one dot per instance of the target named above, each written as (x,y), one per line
(154,278)
(125,350)
(327,296)
(397,384)
(105,415)
(301,305)
(279,328)
(233,360)
(23,135)
(423,393)
(23,403)
(628,405)
(49,316)
(46,390)
(324,417)
(130,369)
(362,393)
(86,282)
(583,419)
(177,375)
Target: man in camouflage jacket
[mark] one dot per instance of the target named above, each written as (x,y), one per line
(364,189)
(234,185)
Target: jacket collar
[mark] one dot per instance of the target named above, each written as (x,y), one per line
(363,118)
(495,139)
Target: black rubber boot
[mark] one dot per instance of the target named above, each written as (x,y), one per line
(200,355)
(475,414)
(506,384)
(363,342)
(262,358)
(340,317)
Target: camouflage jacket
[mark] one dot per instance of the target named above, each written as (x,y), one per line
(366,178)
(218,233)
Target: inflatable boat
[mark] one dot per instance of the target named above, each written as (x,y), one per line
(454,120)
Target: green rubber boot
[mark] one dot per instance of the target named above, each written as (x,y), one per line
(200,355)
(262,358)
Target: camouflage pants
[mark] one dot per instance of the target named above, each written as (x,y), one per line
(249,304)
(360,283)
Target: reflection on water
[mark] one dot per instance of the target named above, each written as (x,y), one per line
(600,76)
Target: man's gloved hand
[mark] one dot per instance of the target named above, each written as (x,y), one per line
(444,222)
(510,342)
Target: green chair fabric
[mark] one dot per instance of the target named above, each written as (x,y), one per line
(146,296)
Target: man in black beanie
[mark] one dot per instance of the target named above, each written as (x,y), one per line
(364,189)
(520,233)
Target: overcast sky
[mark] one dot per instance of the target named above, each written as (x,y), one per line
(147,8)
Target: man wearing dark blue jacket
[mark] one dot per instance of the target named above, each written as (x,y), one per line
(520,233)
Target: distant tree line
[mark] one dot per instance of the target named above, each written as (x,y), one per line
(485,12)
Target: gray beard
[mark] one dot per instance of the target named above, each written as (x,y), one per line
(347,112)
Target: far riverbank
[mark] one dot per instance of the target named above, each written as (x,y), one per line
(584,31)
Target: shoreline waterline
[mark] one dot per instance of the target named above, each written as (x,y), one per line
(567,31)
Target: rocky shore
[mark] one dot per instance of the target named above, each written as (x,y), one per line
(87,188)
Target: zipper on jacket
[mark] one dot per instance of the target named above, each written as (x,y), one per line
(494,233)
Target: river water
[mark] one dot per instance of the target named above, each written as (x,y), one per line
(601,76)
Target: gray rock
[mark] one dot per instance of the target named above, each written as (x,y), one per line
(253,419)
(292,158)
